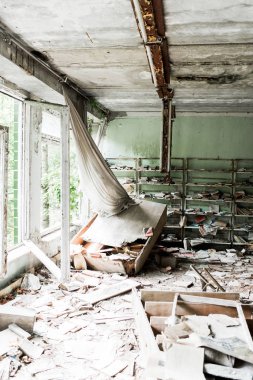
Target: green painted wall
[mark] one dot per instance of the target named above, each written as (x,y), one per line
(133,137)
(193,136)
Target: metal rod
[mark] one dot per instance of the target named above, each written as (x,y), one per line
(202,277)
(211,278)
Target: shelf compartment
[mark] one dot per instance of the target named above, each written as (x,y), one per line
(208,200)
(214,185)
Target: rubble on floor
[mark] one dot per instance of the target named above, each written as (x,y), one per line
(85,329)
(206,331)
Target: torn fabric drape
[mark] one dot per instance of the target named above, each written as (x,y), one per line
(101,133)
(98,182)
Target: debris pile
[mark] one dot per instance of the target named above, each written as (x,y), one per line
(206,332)
(69,330)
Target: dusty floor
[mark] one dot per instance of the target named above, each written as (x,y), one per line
(100,342)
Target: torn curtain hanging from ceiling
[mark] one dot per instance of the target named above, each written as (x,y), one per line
(98,182)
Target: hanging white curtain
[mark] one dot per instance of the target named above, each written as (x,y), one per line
(98,182)
(101,133)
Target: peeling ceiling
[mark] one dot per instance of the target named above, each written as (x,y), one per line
(96,43)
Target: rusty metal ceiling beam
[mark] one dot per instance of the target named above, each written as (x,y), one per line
(153,21)
(149,16)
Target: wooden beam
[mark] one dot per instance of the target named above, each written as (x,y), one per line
(42,257)
(206,300)
(21,316)
(168,296)
(147,340)
(65,193)
(4,139)
(110,291)
(158,323)
(244,325)
(164,309)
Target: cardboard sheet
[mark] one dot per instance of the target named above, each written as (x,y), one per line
(127,226)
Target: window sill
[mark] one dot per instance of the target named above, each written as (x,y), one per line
(20,259)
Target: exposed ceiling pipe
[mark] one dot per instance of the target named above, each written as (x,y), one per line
(145,39)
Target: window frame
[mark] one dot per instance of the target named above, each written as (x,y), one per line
(4,152)
(31,178)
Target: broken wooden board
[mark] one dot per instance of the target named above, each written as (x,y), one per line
(168,296)
(164,309)
(10,288)
(110,291)
(148,345)
(22,316)
(19,331)
(158,323)
(30,349)
(117,230)
(126,227)
(104,264)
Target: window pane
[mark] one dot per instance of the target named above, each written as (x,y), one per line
(51,171)
(11,116)
(51,174)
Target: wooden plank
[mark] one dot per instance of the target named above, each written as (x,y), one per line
(65,194)
(168,296)
(110,291)
(174,309)
(19,331)
(22,316)
(16,284)
(49,264)
(4,138)
(244,325)
(30,349)
(207,300)
(145,252)
(165,308)
(147,340)
(78,239)
(158,323)
(105,264)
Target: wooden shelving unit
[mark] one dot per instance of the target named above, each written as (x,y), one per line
(210,199)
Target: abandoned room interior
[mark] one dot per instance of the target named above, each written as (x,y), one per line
(126,190)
